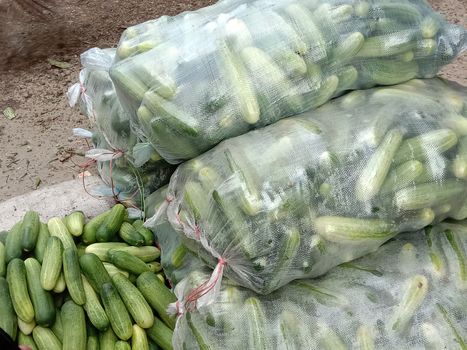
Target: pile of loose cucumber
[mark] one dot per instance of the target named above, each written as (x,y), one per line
(76,285)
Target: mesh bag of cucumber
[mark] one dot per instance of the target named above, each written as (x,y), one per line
(193,80)
(129,166)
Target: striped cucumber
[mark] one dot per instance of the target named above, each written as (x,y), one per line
(388,44)
(8,321)
(94,270)
(139,339)
(160,334)
(41,243)
(107,340)
(13,243)
(375,171)
(30,228)
(388,72)
(130,235)
(242,87)
(402,176)
(344,229)
(58,229)
(112,270)
(111,224)
(459,252)
(256,321)
(101,249)
(57,327)
(60,286)
(127,262)
(122,345)
(419,147)
(348,47)
(92,343)
(116,311)
(45,339)
(90,229)
(94,310)
(72,273)
(42,301)
(52,263)
(417,288)
(75,223)
(157,295)
(134,301)
(26,327)
(428,194)
(27,340)
(74,326)
(18,287)
(145,232)
(459,165)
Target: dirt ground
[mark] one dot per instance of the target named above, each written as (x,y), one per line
(37,147)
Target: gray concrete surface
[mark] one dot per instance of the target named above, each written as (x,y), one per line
(56,200)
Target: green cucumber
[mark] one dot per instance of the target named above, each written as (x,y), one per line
(402,176)
(107,340)
(388,72)
(52,263)
(41,243)
(8,321)
(94,310)
(58,228)
(72,273)
(42,301)
(90,229)
(13,243)
(2,260)
(388,44)
(45,339)
(127,262)
(94,270)
(257,324)
(130,235)
(117,313)
(18,287)
(75,223)
(160,334)
(74,326)
(111,224)
(30,228)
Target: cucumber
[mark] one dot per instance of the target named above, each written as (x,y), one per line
(45,339)
(429,27)
(157,295)
(30,228)
(388,44)
(123,78)
(57,327)
(72,273)
(112,270)
(460,254)
(58,229)
(8,321)
(41,242)
(428,194)
(348,47)
(60,286)
(3,235)
(160,334)
(256,321)
(347,77)
(42,301)
(265,72)
(202,343)
(127,262)
(139,339)
(52,263)
(101,249)
(172,116)
(122,345)
(18,287)
(459,165)
(111,224)
(13,243)
(75,223)
(353,230)
(26,327)
(92,343)
(375,171)
(94,270)
(389,72)
(402,176)
(154,266)
(90,229)
(134,301)
(93,307)
(417,288)
(74,326)
(117,313)
(2,260)
(306,25)
(403,12)
(417,147)
(240,84)
(286,256)
(130,235)
(27,340)
(178,256)
(107,340)
(145,232)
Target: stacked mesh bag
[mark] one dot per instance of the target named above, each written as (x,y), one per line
(274,207)
(245,223)
(130,167)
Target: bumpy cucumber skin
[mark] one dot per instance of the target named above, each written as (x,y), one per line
(108,229)
(45,339)
(8,321)
(13,243)
(30,228)
(160,334)
(94,271)
(18,287)
(74,326)
(72,272)
(52,263)
(116,311)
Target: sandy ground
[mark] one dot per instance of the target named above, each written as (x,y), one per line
(37,148)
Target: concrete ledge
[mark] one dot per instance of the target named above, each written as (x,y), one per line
(56,200)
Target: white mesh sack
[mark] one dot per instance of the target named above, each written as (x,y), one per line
(193,80)
(409,294)
(298,197)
